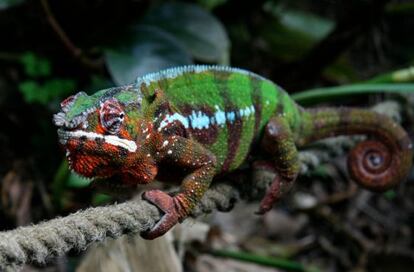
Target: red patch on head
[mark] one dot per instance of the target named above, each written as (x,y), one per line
(67,101)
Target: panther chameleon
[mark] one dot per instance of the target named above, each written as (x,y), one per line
(195,122)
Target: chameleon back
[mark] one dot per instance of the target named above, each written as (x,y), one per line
(223,108)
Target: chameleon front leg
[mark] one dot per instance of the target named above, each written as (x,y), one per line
(278,141)
(188,154)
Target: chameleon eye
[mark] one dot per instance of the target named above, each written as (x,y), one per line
(111,115)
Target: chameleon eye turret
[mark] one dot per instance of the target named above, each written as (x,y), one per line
(192,123)
(111,115)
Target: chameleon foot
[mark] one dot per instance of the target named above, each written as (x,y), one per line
(165,203)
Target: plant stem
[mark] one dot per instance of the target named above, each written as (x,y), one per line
(264,260)
(76,51)
(325,94)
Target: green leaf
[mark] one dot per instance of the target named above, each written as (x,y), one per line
(399,76)
(211,4)
(100,199)
(35,66)
(34,92)
(319,95)
(390,194)
(292,33)
(76,181)
(286,43)
(9,3)
(315,26)
(285,264)
(148,49)
(29,89)
(199,31)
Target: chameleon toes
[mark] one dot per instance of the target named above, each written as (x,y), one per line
(165,203)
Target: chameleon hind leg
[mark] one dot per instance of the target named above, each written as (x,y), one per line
(278,141)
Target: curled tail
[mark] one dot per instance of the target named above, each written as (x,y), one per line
(377,163)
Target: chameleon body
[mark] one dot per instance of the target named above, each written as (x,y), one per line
(193,123)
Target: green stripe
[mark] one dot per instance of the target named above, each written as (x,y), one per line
(269,94)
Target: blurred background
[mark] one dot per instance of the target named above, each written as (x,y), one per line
(52,49)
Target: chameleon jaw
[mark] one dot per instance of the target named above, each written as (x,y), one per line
(129,145)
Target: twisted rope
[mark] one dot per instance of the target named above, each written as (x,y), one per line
(38,243)
(41,242)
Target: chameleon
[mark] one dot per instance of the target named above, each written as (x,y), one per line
(193,123)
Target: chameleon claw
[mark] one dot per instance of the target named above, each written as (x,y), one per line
(165,203)
(272,195)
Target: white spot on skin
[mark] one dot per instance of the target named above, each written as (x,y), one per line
(199,120)
(220,116)
(230,116)
(129,145)
(165,143)
(171,118)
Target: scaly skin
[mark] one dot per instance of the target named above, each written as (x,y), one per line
(196,122)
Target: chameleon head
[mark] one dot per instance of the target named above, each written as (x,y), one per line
(97,132)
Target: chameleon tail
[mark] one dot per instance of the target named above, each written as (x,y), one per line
(377,163)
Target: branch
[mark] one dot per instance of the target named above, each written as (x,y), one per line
(76,51)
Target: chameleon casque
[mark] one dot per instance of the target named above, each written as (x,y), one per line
(202,121)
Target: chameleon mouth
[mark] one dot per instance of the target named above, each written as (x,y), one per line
(64,136)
